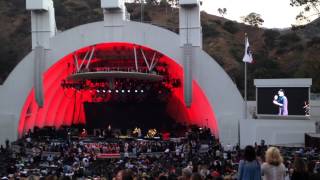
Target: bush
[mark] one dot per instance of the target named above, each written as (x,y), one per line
(297,47)
(282,51)
(209,30)
(18,4)
(266,67)
(288,39)
(270,37)
(231,27)
(236,52)
(137,16)
(217,21)
(314,41)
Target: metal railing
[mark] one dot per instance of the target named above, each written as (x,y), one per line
(118,69)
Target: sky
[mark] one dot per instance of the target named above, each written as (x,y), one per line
(275,13)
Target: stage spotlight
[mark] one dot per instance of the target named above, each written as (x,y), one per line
(104,91)
(122,91)
(98,91)
(136,91)
(142,91)
(109,91)
(117,91)
(129,91)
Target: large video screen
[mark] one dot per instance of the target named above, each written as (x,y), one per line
(286,101)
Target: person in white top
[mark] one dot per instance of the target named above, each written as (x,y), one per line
(273,168)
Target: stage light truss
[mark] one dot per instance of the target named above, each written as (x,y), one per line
(119,58)
(127,59)
(101,91)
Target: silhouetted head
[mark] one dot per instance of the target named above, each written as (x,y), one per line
(249,153)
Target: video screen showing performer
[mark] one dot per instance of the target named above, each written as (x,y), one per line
(283,101)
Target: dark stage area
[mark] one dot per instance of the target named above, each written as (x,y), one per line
(124,116)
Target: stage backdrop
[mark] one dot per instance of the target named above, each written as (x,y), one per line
(125,116)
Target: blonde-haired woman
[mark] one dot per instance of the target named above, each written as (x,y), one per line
(273,168)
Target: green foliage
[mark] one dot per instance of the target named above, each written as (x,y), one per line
(77,12)
(297,47)
(253,19)
(222,11)
(315,41)
(8,54)
(289,42)
(60,9)
(19,5)
(237,52)
(289,39)
(231,27)
(297,27)
(219,59)
(209,30)
(217,21)
(136,16)
(164,3)
(152,2)
(307,7)
(265,67)
(282,50)
(310,69)
(173,2)
(93,3)
(270,38)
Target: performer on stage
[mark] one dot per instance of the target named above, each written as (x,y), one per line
(281,101)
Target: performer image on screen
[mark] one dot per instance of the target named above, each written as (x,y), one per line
(281,101)
(306,108)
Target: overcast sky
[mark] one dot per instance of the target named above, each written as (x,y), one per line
(276,13)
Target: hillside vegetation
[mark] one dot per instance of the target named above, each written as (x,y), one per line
(277,53)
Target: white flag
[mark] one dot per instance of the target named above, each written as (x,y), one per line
(247,53)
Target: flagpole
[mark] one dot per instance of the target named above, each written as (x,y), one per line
(245,81)
(245,91)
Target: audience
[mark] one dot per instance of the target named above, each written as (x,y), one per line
(197,156)
(314,170)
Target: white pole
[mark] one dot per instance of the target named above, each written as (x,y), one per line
(245,91)
(142,11)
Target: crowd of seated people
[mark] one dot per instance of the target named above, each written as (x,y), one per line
(198,155)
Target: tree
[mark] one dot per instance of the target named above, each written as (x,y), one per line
(270,38)
(231,27)
(311,8)
(152,2)
(253,19)
(173,3)
(222,11)
(164,3)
